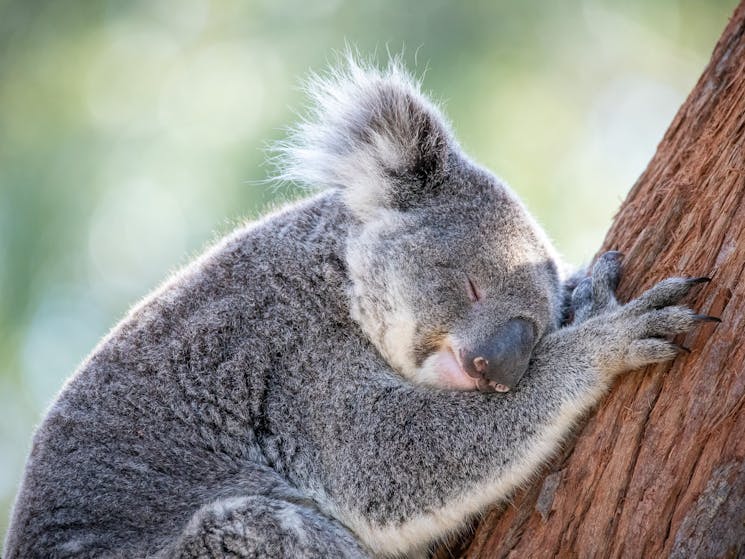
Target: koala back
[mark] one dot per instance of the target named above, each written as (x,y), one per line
(193,396)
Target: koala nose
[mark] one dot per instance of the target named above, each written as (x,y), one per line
(503,358)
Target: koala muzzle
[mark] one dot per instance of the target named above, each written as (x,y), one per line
(502,360)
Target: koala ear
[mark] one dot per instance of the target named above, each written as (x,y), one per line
(373,134)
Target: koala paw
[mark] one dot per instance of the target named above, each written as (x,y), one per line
(627,337)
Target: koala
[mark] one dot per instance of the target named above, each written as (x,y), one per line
(355,375)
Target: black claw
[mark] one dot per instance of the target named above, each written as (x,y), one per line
(702,279)
(707,318)
(682,348)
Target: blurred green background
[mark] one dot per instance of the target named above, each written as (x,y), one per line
(133,133)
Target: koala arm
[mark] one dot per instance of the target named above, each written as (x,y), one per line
(474,448)
(477,448)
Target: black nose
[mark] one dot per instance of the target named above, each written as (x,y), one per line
(503,358)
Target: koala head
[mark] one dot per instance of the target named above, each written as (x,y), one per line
(452,279)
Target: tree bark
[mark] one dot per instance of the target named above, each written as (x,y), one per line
(659,471)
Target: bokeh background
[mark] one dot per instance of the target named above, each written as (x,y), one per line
(133,133)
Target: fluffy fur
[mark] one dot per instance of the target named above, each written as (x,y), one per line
(278,398)
(370,133)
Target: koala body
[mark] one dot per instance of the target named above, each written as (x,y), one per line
(353,376)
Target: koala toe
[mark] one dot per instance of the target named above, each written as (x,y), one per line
(651,350)
(667,292)
(582,303)
(666,321)
(596,294)
(606,273)
(582,294)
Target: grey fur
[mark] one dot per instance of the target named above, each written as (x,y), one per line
(279,397)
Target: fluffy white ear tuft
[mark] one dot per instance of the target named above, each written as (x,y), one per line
(372,133)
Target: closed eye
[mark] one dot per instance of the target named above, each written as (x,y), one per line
(474,293)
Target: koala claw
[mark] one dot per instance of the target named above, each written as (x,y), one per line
(667,292)
(647,351)
(707,318)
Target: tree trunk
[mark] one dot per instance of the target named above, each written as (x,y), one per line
(659,471)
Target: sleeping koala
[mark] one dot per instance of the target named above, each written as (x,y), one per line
(355,375)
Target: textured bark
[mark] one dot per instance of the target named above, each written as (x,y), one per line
(659,471)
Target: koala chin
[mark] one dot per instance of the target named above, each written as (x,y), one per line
(355,375)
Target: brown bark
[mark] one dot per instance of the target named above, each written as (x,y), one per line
(659,471)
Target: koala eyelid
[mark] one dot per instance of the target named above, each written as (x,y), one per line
(474,294)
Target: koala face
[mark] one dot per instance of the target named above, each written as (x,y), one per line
(456,293)
(451,278)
